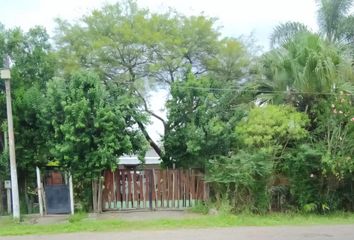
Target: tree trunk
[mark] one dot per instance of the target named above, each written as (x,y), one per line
(143,128)
(94,195)
(27,198)
(97,195)
(149,139)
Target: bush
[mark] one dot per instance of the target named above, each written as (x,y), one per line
(201,207)
(240,181)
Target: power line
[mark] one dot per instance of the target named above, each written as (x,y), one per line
(262,92)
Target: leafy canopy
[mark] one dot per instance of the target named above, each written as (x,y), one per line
(87,130)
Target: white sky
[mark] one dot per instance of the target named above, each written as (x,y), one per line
(238,17)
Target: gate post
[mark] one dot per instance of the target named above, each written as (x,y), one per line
(39,191)
(71,192)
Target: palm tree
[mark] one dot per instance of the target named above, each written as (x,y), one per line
(304,65)
(335,23)
(303,69)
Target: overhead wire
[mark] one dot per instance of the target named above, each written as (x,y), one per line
(267,91)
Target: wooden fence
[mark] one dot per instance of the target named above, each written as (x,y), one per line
(152,189)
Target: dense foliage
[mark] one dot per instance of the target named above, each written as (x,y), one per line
(87,130)
(271,132)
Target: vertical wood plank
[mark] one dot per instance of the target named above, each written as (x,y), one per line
(173,188)
(200,192)
(119,188)
(104,194)
(158,172)
(165,191)
(182,189)
(142,186)
(185,188)
(153,189)
(192,187)
(107,192)
(124,189)
(114,190)
(170,188)
(178,187)
(136,190)
(155,177)
(147,189)
(188,189)
(129,205)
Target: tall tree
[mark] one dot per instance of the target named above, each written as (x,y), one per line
(87,129)
(204,108)
(333,15)
(33,65)
(129,46)
(335,23)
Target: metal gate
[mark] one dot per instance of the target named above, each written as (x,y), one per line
(57,199)
(152,189)
(56,192)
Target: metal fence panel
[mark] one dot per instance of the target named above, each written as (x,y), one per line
(57,199)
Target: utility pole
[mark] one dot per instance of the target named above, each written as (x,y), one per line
(6,75)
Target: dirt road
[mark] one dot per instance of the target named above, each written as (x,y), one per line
(334,232)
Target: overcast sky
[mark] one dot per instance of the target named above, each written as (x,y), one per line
(237,17)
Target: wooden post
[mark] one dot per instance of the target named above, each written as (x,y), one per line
(94,195)
(133,188)
(39,191)
(168,187)
(71,191)
(173,187)
(150,188)
(179,205)
(114,190)
(129,196)
(142,184)
(206,191)
(155,187)
(164,192)
(119,189)
(136,190)
(99,198)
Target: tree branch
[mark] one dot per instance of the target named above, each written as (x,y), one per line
(146,108)
(149,139)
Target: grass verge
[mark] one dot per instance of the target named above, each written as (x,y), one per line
(81,224)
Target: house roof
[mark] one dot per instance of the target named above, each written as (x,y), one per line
(151,157)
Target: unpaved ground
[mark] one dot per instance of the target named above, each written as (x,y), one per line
(145,215)
(338,232)
(126,215)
